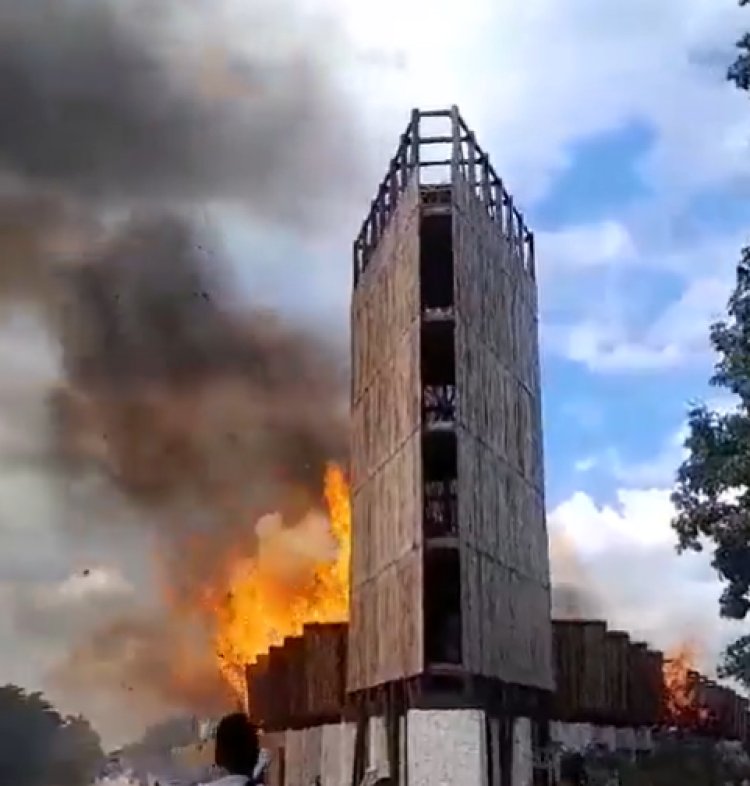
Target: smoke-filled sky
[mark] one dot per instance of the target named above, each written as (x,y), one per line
(253,132)
(164,411)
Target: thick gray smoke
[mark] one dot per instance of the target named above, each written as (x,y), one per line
(118,100)
(176,394)
(572,602)
(179,411)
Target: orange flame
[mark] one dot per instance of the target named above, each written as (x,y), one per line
(681,687)
(290,582)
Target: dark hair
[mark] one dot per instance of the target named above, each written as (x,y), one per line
(237,745)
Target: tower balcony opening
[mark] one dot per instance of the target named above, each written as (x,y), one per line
(440,477)
(442,607)
(438,370)
(436,264)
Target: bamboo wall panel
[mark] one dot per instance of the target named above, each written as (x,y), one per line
(742,717)
(471,617)
(356,668)
(294,656)
(278,691)
(500,514)
(743,727)
(617,672)
(725,711)
(258,688)
(581,651)
(389,410)
(386,458)
(386,301)
(594,692)
(499,599)
(387,625)
(501,518)
(568,654)
(737,709)
(638,681)
(655,685)
(325,669)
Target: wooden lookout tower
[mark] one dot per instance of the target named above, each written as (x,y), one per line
(450,566)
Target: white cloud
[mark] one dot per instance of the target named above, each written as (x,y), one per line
(658,470)
(565,71)
(533,79)
(582,247)
(586,464)
(680,335)
(588,413)
(622,558)
(639,519)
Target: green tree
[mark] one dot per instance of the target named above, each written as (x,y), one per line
(39,747)
(712,496)
(77,753)
(739,71)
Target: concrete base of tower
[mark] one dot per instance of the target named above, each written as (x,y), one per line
(435,748)
(446,747)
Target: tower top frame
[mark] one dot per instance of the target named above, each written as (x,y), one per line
(435,148)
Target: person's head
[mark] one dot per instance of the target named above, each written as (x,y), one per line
(237,745)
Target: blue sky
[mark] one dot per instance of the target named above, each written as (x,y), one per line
(632,410)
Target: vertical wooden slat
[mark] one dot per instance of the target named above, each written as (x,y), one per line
(386,414)
(501,510)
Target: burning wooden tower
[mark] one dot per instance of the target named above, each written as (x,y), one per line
(450,571)
(444,673)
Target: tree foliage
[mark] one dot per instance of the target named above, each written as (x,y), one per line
(712,496)
(713,484)
(737,661)
(38,746)
(739,71)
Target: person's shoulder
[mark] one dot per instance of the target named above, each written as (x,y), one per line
(229,780)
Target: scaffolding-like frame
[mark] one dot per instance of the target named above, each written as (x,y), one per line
(467,158)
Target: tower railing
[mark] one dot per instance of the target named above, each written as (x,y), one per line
(434,159)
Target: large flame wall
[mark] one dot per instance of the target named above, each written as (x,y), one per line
(293,580)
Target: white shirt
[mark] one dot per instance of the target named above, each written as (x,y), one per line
(229,780)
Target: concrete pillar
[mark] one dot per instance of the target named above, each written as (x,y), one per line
(643,739)
(604,737)
(312,753)
(294,759)
(378,763)
(523,755)
(337,754)
(586,735)
(625,739)
(446,747)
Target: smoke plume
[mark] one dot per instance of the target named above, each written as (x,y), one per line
(574,592)
(180,411)
(159,100)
